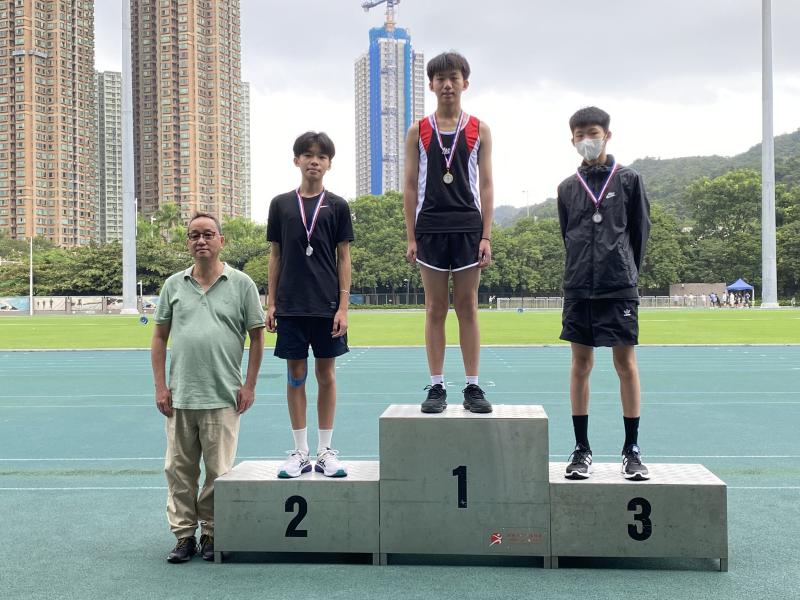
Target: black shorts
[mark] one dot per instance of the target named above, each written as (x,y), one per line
(611,322)
(295,334)
(448,251)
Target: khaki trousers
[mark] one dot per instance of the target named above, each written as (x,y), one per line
(191,434)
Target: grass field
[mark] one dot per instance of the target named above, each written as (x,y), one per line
(373,328)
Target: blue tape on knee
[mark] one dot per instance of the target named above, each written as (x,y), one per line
(296,382)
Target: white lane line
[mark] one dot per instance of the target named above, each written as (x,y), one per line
(345,404)
(382,393)
(78,489)
(556,457)
(163,489)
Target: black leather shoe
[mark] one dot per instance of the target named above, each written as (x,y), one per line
(184,550)
(207,547)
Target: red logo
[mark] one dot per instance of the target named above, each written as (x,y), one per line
(496,539)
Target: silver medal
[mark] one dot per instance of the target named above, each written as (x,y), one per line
(448,178)
(309,250)
(597,217)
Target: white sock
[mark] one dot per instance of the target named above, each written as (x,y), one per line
(325,436)
(301,439)
(472,379)
(437,379)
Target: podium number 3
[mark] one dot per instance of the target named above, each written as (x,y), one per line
(644,528)
(461,473)
(302,509)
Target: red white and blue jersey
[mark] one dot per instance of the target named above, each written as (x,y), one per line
(453,207)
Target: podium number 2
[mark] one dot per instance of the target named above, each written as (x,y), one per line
(644,528)
(461,473)
(302,509)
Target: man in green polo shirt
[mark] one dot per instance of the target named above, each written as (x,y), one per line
(207,310)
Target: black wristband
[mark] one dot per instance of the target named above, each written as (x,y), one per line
(487,239)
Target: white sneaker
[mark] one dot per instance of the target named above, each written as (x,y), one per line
(329,465)
(295,465)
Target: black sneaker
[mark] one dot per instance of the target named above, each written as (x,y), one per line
(632,467)
(436,401)
(184,550)
(475,400)
(580,463)
(207,547)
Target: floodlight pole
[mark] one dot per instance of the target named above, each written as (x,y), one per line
(128,195)
(769,271)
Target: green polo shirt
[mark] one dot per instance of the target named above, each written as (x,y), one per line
(207,332)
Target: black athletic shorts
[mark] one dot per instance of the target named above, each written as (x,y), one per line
(448,251)
(611,322)
(295,334)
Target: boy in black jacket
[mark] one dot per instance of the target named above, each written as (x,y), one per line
(605,221)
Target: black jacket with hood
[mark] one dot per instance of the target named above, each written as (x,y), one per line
(603,259)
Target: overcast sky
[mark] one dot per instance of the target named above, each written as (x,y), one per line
(679,78)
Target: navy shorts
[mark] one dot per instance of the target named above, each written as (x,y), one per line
(448,251)
(296,334)
(609,322)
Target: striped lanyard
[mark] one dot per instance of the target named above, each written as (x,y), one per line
(309,230)
(596,200)
(448,158)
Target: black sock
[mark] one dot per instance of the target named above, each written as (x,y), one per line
(631,430)
(580,423)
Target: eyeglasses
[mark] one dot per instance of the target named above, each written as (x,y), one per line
(206,235)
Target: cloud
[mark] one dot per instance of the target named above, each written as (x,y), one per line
(679,78)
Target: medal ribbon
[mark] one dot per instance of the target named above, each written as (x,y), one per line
(448,159)
(596,200)
(309,231)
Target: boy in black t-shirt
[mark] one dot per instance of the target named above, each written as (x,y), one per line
(448,204)
(605,222)
(309,282)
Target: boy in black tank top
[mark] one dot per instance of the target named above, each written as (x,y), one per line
(448,203)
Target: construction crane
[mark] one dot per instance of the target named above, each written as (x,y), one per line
(390,151)
(390,4)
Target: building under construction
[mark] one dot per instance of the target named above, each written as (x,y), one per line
(389,97)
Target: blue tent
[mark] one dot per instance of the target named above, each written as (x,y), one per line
(740,285)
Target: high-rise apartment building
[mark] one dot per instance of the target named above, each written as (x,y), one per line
(247,207)
(187,105)
(108,209)
(389,97)
(47,120)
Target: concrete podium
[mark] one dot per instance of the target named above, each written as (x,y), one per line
(254,511)
(680,512)
(459,483)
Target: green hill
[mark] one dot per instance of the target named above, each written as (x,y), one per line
(667,179)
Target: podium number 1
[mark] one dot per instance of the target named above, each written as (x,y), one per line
(644,528)
(302,509)
(461,473)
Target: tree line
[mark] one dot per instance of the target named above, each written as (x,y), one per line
(718,242)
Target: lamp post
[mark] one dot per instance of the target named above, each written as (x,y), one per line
(30,280)
(408,290)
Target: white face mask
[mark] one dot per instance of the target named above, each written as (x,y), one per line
(590,149)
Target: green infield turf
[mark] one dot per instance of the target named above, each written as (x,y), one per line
(405,328)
